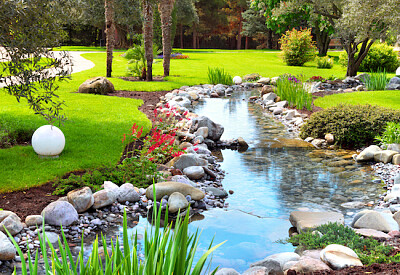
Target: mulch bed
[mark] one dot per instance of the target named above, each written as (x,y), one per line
(32,201)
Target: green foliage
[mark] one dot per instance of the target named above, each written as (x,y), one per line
(291,89)
(297,47)
(352,126)
(137,62)
(324,62)
(219,76)
(368,250)
(380,57)
(376,81)
(138,172)
(390,135)
(166,251)
(11,133)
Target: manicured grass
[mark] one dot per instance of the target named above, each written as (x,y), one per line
(389,99)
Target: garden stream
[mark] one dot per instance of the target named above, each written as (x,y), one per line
(276,175)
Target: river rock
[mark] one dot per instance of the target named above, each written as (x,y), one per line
(51,237)
(60,212)
(194,172)
(318,142)
(215,130)
(110,186)
(396,159)
(308,264)
(169,187)
(12,223)
(7,249)
(368,153)
(104,198)
(384,156)
(394,147)
(183,179)
(221,193)
(269,96)
(339,256)
(96,85)
(128,193)
(176,202)
(187,160)
(82,199)
(242,144)
(375,220)
(264,80)
(257,270)
(277,110)
(237,80)
(34,220)
(193,95)
(227,271)
(272,266)
(281,259)
(202,131)
(330,139)
(372,233)
(303,220)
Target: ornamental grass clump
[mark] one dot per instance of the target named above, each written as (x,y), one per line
(291,89)
(390,135)
(167,251)
(219,76)
(353,126)
(297,47)
(324,62)
(376,81)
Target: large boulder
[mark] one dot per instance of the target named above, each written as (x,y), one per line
(7,249)
(82,199)
(304,220)
(128,193)
(169,187)
(104,198)
(339,256)
(375,220)
(384,156)
(215,130)
(368,153)
(60,212)
(97,85)
(187,160)
(12,223)
(176,202)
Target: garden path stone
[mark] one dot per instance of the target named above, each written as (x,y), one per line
(187,160)
(384,156)
(82,199)
(215,130)
(12,223)
(104,198)
(60,212)
(303,220)
(128,193)
(169,187)
(375,220)
(7,249)
(176,202)
(308,264)
(194,172)
(227,271)
(34,220)
(368,153)
(339,256)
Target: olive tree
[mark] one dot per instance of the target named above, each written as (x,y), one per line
(30,70)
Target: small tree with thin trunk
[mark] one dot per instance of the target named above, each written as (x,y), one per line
(110,33)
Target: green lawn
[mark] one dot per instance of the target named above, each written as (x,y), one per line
(96,123)
(389,99)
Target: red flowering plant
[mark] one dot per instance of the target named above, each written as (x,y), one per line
(167,117)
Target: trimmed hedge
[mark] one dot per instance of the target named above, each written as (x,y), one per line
(351,125)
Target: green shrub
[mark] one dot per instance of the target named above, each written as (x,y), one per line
(219,76)
(290,88)
(390,135)
(137,62)
(376,81)
(139,173)
(380,57)
(297,47)
(12,134)
(324,62)
(351,125)
(167,251)
(368,250)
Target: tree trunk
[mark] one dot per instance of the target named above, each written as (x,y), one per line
(323,39)
(148,37)
(165,7)
(351,47)
(181,34)
(239,37)
(110,32)
(246,45)
(194,36)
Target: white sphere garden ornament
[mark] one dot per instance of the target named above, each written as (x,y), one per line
(237,80)
(48,141)
(398,71)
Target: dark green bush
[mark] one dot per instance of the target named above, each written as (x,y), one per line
(351,125)
(368,250)
(139,173)
(14,134)
(380,57)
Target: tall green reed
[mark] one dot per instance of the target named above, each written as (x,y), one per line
(291,89)
(376,81)
(219,76)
